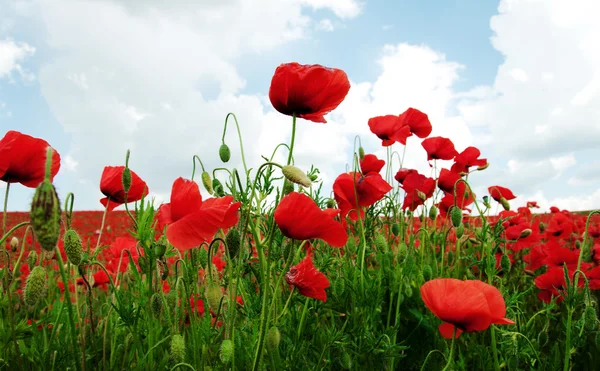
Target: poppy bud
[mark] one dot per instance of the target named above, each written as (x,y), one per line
(273,338)
(346,361)
(361,153)
(381,243)
(160,247)
(422,196)
(226,353)
(395,229)
(525,233)
(504,203)
(126,179)
(218,187)
(486,202)
(32,259)
(433,212)
(505,263)
(207,182)
(295,175)
(456,216)
(589,317)
(172,300)
(45,215)
(34,286)
(73,246)
(483,167)
(233,240)
(331,203)
(156,304)
(288,187)
(224,152)
(460,231)
(177,348)
(542,227)
(14,243)
(427,273)
(213,296)
(408,289)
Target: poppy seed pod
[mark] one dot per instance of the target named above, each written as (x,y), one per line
(227,350)
(295,175)
(45,215)
(126,179)
(177,348)
(224,152)
(207,182)
(456,216)
(73,246)
(34,286)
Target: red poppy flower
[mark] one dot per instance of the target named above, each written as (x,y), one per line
(370,188)
(308,280)
(111,185)
(114,254)
(389,129)
(412,185)
(532,204)
(560,226)
(417,121)
(439,148)
(370,163)
(402,174)
(535,259)
(189,220)
(300,218)
(465,305)
(23,159)
(498,193)
(467,158)
(309,91)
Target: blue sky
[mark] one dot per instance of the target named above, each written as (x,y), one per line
(95,78)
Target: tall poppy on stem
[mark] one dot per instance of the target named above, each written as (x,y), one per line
(352,192)
(111,185)
(439,148)
(308,280)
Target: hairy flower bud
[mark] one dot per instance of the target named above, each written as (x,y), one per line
(224,152)
(35,286)
(433,211)
(331,203)
(427,272)
(505,204)
(589,317)
(226,353)
(45,215)
(14,243)
(361,153)
(395,229)
(295,175)
(126,179)
(177,348)
(273,338)
(156,304)
(207,182)
(460,231)
(218,187)
(456,216)
(542,227)
(73,246)
(525,233)
(32,259)
(422,196)
(381,243)
(213,296)
(233,240)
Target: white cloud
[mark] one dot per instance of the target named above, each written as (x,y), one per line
(12,55)
(564,162)
(69,163)
(325,25)
(341,8)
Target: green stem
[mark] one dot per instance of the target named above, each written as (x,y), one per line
(568,340)
(289,161)
(5,207)
(237,125)
(103,221)
(494,348)
(450,356)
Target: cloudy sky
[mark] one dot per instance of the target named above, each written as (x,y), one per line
(519,79)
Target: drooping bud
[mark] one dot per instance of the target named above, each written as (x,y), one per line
(505,263)
(73,246)
(590,318)
(156,304)
(288,187)
(273,338)
(207,182)
(427,273)
(224,152)
(213,296)
(177,348)
(395,229)
(126,179)
(233,240)
(381,243)
(45,215)
(35,286)
(295,175)
(14,243)
(218,187)
(525,233)
(460,231)
(408,289)
(433,211)
(422,196)
(504,203)
(226,353)
(361,153)
(456,216)
(32,259)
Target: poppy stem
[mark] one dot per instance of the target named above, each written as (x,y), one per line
(450,356)
(289,161)
(103,221)
(5,207)
(494,348)
(237,125)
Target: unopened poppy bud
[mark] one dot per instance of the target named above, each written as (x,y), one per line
(288,187)
(542,227)
(486,201)
(73,246)
(156,304)
(395,229)
(34,286)
(226,353)
(126,179)
(381,243)
(45,215)
(361,153)
(213,296)
(525,233)
(505,263)
(177,348)
(408,290)
(171,300)
(295,175)
(460,231)
(504,203)
(433,211)
(14,243)
(207,182)
(233,240)
(224,152)
(456,216)
(589,317)
(422,196)
(32,259)
(331,203)
(218,187)
(427,273)
(346,361)
(483,167)
(273,338)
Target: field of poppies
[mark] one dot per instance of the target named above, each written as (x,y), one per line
(265,269)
